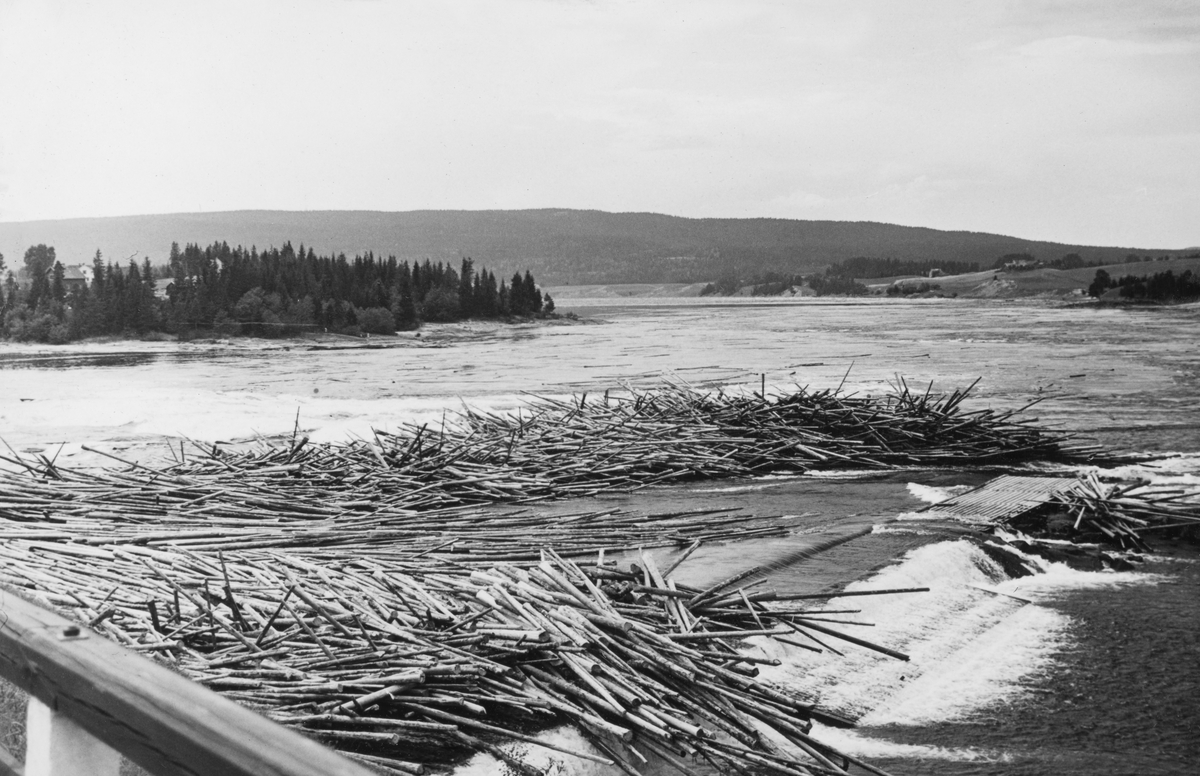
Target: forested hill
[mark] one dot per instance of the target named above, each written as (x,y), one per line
(559,246)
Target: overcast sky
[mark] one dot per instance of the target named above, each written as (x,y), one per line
(1069,121)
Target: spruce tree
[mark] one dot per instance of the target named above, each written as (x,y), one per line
(466,296)
(114,308)
(532,297)
(404,308)
(58,282)
(12,293)
(518,304)
(39,260)
(97,273)
(134,299)
(149,297)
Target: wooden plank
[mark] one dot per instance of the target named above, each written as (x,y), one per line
(163,722)
(1002,498)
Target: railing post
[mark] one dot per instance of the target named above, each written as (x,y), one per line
(58,747)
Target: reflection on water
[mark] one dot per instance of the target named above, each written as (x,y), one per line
(78,360)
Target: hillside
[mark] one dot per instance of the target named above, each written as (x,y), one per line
(1043,281)
(559,246)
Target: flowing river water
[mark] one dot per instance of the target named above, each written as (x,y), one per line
(1067,672)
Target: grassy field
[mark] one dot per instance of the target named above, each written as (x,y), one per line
(1038,282)
(989,284)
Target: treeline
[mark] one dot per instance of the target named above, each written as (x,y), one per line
(839,279)
(1161,287)
(831,283)
(1074,260)
(834,283)
(1029,261)
(872,267)
(277,292)
(761,284)
(49,308)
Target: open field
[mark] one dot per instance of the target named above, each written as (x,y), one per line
(1044,281)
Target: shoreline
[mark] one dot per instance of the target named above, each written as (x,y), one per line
(165,343)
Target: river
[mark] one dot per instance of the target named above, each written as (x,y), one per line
(1064,673)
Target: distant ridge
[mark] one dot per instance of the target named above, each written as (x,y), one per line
(559,246)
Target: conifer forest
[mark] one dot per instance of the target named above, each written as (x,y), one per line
(221,291)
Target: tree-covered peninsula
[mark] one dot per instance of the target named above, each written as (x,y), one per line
(276,292)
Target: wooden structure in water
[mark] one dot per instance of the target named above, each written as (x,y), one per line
(1002,499)
(1121,513)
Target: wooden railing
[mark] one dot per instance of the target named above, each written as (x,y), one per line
(92,700)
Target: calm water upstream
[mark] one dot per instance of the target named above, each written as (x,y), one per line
(1099,674)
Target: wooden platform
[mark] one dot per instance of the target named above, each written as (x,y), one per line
(1001,499)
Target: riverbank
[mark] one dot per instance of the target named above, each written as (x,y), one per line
(159,342)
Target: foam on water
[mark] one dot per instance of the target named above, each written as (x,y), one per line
(1058,578)
(909,528)
(1180,470)
(863,745)
(929,627)
(779,482)
(840,474)
(905,517)
(968,647)
(934,495)
(987,669)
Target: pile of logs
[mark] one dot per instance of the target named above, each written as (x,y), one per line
(394,655)
(339,494)
(1121,513)
(555,449)
(360,593)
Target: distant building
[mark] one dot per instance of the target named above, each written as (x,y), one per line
(1022,264)
(77,277)
(905,286)
(935,273)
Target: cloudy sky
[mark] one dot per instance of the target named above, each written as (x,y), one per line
(1070,121)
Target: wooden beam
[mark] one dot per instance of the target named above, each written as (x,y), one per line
(158,719)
